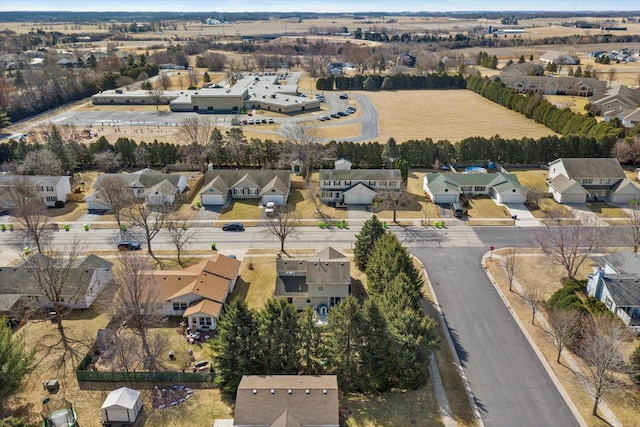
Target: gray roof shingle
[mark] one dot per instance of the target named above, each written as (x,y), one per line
(578,168)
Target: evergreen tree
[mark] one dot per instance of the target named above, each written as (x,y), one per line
(635,365)
(369,84)
(371,231)
(415,337)
(311,352)
(400,294)
(235,346)
(387,260)
(521,60)
(375,349)
(390,151)
(15,362)
(206,78)
(342,341)
(277,337)
(387,84)
(4,119)
(57,146)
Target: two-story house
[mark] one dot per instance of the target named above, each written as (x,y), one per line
(344,186)
(197,292)
(50,188)
(617,285)
(221,186)
(576,180)
(157,188)
(320,281)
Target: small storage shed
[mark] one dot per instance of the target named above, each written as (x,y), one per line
(121,406)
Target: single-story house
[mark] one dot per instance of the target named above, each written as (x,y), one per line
(560,58)
(86,280)
(287,400)
(529,68)
(198,292)
(157,188)
(548,85)
(576,180)
(615,97)
(220,186)
(629,117)
(617,285)
(321,280)
(51,188)
(121,407)
(344,186)
(335,68)
(447,188)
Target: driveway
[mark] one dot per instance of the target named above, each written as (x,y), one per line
(585,215)
(358,212)
(524,217)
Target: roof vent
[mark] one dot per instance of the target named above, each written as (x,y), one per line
(289,391)
(307,391)
(255,391)
(273,391)
(324,391)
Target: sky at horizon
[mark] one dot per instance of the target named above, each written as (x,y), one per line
(316,5)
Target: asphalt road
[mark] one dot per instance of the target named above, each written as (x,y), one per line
(509,384)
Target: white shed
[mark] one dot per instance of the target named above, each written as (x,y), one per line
(121,406)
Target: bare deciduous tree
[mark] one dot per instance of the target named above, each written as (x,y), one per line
(391,200)
(196,132)
(533,195)
(136,303)
(107,161)
(28,208)
(53,272)
(601,350)
(164,81)
(570,245)
(623,151)
(511,265)
(115,193)
(41,162)
(150,219)
(611,75)
(533,294)
(284,224)
(632,237)
(156,96)
(180,234)
(565,328)
(303,145)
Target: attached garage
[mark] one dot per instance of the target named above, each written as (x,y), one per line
(445,197)
(359,194)
(567,190)
(213,198)
(506,193)
(121,407)
(624,192)
(94,203)
(278,199)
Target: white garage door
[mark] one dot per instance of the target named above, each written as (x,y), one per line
(96,205)
(445,198)
(278,199)
(573,198)
(512,198)
(212,199)
(358,198)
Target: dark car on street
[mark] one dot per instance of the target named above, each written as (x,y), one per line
(129,245)
(233,226)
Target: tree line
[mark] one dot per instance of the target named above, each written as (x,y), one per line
(373,345)
(396,81)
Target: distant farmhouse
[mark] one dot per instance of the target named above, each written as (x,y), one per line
(263,91)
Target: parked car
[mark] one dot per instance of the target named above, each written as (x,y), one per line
(344,96)
(270,121)
(321,118)
(456,209)
(129,245)
(233,226)
(269,208)
(335,116)
(341,113)
(263,121)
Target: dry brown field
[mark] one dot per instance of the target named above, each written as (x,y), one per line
(451,114)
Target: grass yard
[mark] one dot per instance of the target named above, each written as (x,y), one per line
(605,210)
(532,178)
(574,103)
(537,270)
(549,208)
(256,281)
(241,209)
(456,116)
(485,207)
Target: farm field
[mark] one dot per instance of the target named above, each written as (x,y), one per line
(451,114)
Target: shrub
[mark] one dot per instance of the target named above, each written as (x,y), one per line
(575,285)
(59,204)
(634,361)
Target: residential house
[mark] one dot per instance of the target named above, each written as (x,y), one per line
(50,188)
(344,186)
(447,188)
(296,167)
(530,68)
(321,281)
(548,85)
(629,117)
(221,186)
(157,188)
(335,68)
(557,57)
(86,280)
(406,59)
(617,285)
(576,180)
(12,61)
(615,97)
(287,400)
(197,292)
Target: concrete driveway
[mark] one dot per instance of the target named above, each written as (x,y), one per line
(524,217)
(585,215)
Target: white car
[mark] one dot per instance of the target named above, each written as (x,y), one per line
(269,208)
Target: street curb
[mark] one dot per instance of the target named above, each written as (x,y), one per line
(565,396)
(456,358)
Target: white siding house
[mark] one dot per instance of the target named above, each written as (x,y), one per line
(50,188)
(447,188)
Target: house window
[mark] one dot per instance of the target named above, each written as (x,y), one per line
(608,303)
(336,182)
(347,183)
(308,300)
(179,306)
(290,300)
(605,181)
(479,188)
(466,188)
(49,188)
(587,181)
(52,199)
(204,321)
(320,288)
(40,188)
(326,194)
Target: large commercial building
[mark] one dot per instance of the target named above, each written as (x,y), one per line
(266,91)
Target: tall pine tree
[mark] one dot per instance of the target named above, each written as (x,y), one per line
(278,341)
(388,259)
(311,349)
(371,231)
(343,330)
